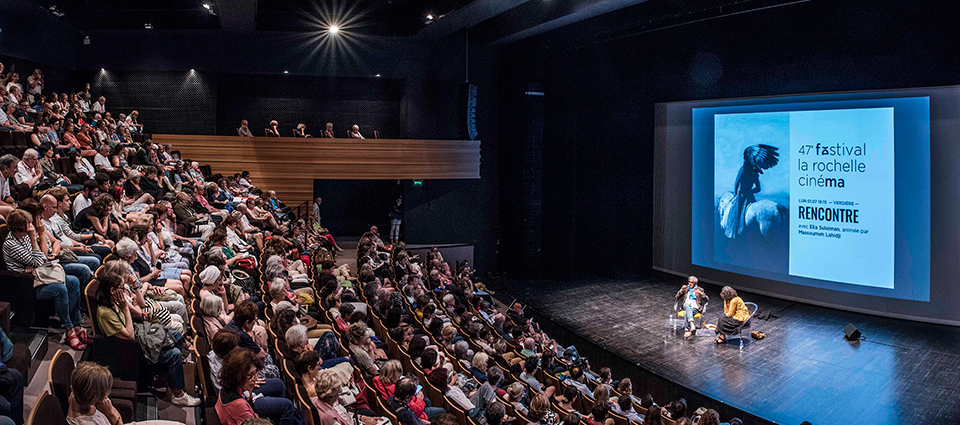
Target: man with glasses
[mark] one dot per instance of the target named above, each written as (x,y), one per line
(29,170)
(23,114)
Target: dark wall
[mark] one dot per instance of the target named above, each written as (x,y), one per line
(600,95)
(30,32)
(350,207)
(372,103)
(171,102)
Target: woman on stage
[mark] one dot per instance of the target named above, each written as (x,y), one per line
(734,314)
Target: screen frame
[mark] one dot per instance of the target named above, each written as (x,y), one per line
(673,175)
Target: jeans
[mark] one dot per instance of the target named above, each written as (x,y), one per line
(66,299)
(101,250)
(274,404)
(172,359)
(394,229)
(171,273)
(11,394)
(688,312)
(94,255)
(327,364)
(273,387)
(80,270)
(433,412)
(89,259)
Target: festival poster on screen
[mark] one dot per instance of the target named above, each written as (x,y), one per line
(842,183)
(832,193)
(807,193)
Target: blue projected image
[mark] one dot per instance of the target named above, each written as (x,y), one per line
(807,193)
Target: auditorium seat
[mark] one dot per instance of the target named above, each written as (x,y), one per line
(46,411)
(6,139)
(310,414)
(123,394)
(20,138)
(452,407)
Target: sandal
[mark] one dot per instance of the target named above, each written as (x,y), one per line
(720,339)
(75,343)
(82,335)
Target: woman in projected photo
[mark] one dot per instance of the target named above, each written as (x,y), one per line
(756,158)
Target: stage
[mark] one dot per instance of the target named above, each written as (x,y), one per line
(904,372)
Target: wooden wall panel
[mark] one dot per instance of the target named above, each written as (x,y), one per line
(290,165)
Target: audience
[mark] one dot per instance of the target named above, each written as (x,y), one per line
(139,220)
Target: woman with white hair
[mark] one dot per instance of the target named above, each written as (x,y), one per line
(214,316)
(214,283)
(194,172)
(127,249)
(355,132)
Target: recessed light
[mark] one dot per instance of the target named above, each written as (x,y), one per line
(286,72)
(429,17)
(103,70)
(334,29)
(192,70)
(378,75)
(206,6)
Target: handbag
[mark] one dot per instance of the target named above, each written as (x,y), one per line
(246,263)
(348,393)
(67,256)
(48,273)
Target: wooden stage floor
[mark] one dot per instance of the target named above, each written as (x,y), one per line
(903,373)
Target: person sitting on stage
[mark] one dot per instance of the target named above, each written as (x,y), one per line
(328,133)
(693,298)
(734,314)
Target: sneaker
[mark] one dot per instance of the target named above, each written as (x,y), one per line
(185,400)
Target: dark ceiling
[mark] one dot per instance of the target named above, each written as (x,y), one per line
(133,14)
(389,18)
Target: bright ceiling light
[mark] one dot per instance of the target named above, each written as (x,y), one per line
(206,6)
(429,17)
(333,29)
(378,75)
(286,72)
(192,70)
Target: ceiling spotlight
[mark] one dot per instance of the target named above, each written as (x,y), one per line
(286,72)
(429,17)
(378,75)
(192,70)
(206,6)
(333,29)
(148,25)
(103,70)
